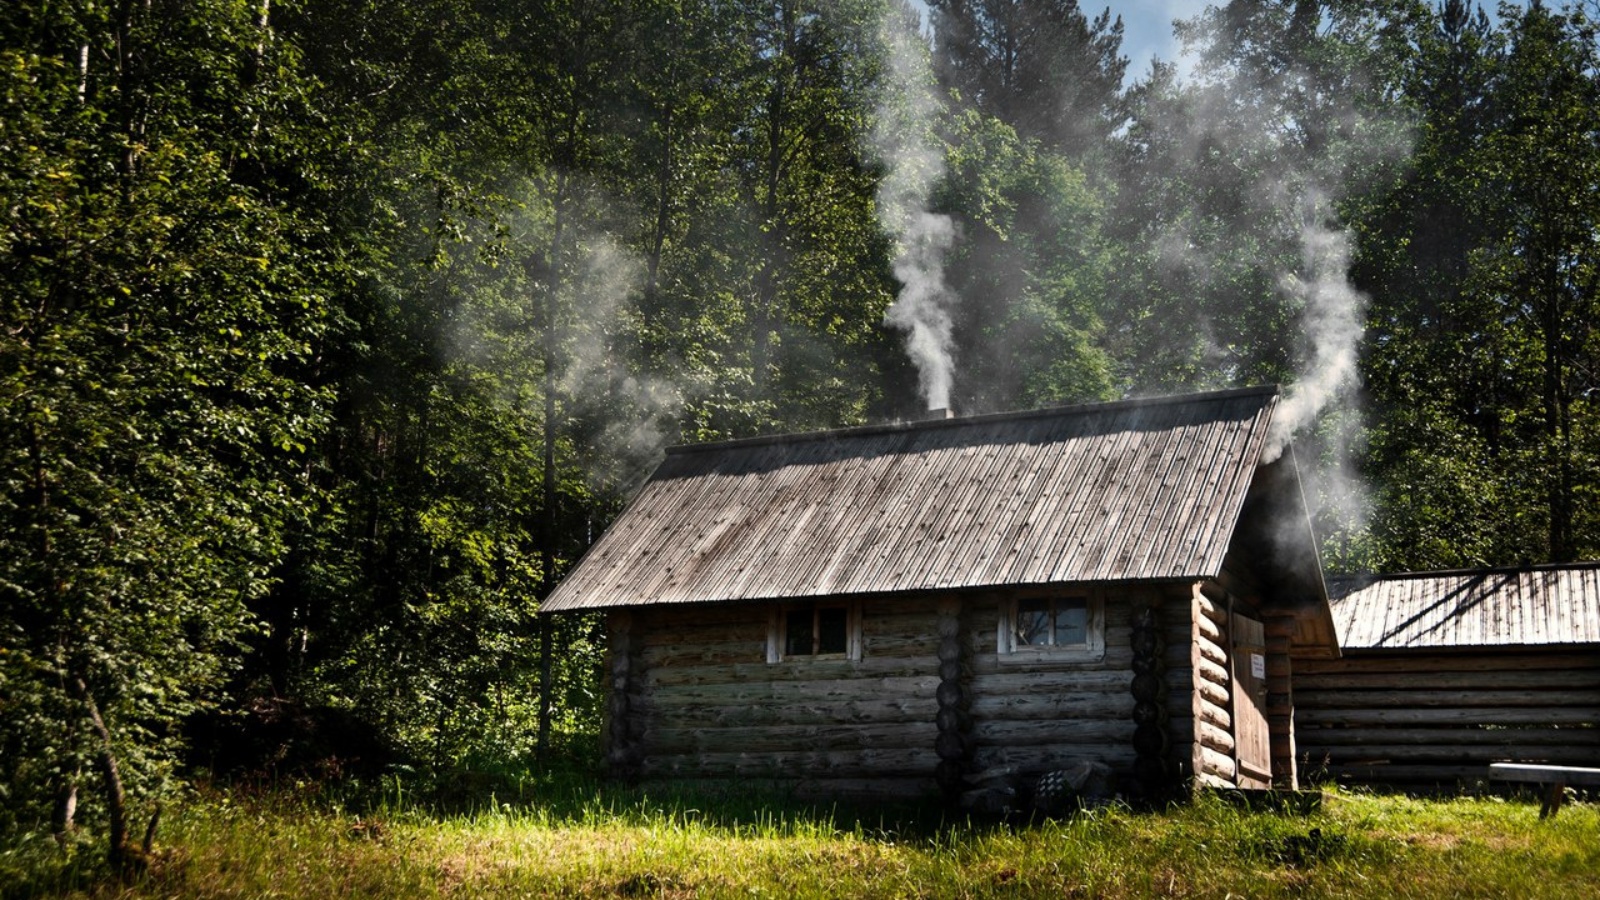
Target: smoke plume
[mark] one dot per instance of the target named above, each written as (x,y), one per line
(904,139)
(1332,316)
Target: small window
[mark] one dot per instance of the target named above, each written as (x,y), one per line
(1068,626)
(815,630)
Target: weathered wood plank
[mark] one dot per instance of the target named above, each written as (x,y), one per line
(1578,775)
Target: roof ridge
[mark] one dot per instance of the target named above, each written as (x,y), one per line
(986,418)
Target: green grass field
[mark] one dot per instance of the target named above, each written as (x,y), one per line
(580,840)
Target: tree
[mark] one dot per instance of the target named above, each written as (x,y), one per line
(1040,66)
(163,307)
(1483,352)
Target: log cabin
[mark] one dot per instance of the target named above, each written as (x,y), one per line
(1444,673)
(907,610)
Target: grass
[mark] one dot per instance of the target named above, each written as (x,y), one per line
(573,839)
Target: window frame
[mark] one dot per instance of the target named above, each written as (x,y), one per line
(778,626)
(1092,649)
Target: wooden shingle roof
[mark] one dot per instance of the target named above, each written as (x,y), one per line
(1136,490)
(1471,609)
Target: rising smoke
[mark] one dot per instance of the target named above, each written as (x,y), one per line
(1332,320)
(904,139)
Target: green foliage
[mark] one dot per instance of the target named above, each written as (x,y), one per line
(162,311)
(332,335)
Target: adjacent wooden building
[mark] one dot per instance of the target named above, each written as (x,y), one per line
(1446,672)
(906,609)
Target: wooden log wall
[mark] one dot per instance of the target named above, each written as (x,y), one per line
(622,690)
(930,704)
(1280,700)
(955,742)
(1037,716)
(1419,720)
(1153,769)
(709,706)
(1214,764)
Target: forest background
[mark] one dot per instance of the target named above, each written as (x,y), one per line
(333,331)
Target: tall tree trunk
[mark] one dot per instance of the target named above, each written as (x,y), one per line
(548,539)
(116,800)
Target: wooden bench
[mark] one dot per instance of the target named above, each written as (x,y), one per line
(1554,778)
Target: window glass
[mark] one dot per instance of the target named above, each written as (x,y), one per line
(797,633)
(833,630)
(1072,622)
(1033,622)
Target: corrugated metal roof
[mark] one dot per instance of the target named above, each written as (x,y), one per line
(1137,490)
(1484,608)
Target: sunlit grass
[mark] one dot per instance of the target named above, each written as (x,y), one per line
(582,840)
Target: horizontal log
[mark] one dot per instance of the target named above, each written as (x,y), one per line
(1208,630)
(1408,775)
(1211,762)
(1452,754)
(1212,652)
(1211,672)
(1056,756)
(1216,716)
(794,764)
(1215,738)
(1180,730)
(1307,715)
(665,739)
(1537,679)
(816,690)
(1435,699)
(1211,592)
(879,789)
(989,662)
(1475,735)
(899,645)
(886,787)
(716,655)
(1212,693)
(1476,661)
(1007,681)
(1039,734)
(887,711)
(798,670)
(1066,705)
(1212,610)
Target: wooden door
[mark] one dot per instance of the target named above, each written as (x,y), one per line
(1248,662)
